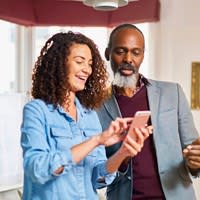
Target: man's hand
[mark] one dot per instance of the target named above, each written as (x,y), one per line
(192,154)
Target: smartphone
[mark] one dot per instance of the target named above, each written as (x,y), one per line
(140,120)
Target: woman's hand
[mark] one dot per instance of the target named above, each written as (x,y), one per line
(134,142)
(116,132)
(131,146)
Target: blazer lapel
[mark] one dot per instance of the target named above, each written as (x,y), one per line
(154,97)
(112,108)
(113,111)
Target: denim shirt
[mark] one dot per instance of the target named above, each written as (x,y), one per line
(47,136)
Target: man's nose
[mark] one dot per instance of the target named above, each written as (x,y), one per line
(128,58)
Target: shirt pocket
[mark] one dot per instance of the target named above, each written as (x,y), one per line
(92,156)
(62,137)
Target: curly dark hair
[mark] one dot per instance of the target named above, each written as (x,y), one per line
(49,74)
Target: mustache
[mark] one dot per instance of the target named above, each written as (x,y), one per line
(127,66)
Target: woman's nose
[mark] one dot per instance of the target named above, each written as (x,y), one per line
(87,68)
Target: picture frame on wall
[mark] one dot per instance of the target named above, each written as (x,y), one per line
(195,86)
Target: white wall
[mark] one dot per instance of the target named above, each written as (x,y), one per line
(177,41)
(174,43)
(11,174)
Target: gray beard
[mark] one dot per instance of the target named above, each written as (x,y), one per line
(125,81)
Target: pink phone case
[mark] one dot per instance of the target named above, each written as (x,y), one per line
(140,120)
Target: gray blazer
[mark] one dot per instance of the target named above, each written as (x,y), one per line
(173,130)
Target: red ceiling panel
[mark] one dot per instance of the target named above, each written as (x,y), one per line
(74,13)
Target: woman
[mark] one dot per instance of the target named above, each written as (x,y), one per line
(63,147)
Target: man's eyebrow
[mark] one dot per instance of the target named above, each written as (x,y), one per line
(120,47)
(125,48)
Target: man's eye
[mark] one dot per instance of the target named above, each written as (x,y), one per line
(137,52)
(119,52)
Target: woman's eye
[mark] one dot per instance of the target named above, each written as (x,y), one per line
(79,62)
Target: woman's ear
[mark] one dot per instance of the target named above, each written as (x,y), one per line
(107,52)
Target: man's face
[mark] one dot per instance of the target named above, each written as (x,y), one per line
(126,56)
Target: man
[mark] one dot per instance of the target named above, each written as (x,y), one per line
(163,169)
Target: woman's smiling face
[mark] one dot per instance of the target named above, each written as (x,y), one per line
(79,64)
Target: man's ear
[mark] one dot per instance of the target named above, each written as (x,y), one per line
(107,52)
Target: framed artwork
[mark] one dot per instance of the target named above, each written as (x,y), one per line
(195,86)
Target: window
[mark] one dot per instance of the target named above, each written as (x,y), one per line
(98,34)
(7,56)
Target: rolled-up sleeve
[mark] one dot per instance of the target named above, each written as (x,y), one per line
(101,177)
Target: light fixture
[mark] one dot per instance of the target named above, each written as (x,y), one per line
(105,5)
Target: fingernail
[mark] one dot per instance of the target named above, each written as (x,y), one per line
(189,147)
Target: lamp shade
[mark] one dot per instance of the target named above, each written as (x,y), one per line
(105,5)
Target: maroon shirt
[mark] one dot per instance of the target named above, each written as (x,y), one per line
(146,182)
